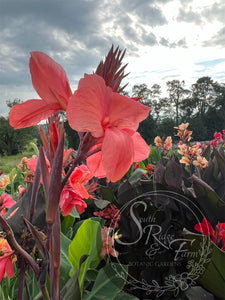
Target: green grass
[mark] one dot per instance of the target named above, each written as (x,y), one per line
(7,163)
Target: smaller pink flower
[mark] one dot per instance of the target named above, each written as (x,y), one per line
(22,191)
(6,259)
(108,242)
(23,163)
(69,199)
(6,201)
(79,178)
(158,141)
(168,143)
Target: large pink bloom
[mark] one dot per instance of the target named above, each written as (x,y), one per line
(6,259)
(52,85)
(114,119)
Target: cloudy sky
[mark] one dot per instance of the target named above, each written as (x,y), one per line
(165,39)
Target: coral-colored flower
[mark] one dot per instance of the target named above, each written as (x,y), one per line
(183,133)
(183,149)
(185,160)
(32,165)
(201,162)
(150,168)
(182,126)
(158,141)
(168,143)
(69,199)
(6,201)
(52,85)
(6,259)
(108,242)
(79,178)
(195,150)
(4,181)
(23,163)
(111,118)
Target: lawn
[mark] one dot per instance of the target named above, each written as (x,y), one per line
(7,163)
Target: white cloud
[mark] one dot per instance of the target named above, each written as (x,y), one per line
(165,39)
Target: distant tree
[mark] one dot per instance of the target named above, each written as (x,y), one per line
(166,127)
(142,90)
(177,92)
(13,141)
(148,129)
(71,136)
(203,94)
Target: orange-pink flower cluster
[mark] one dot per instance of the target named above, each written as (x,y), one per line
(165,145)
(190,154)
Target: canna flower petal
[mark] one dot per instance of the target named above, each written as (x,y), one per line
(52,85)
(94,163)
(49,79)
(115,159)
(30,113)
(141,148)
(87,107)
(206,228)
(9,268)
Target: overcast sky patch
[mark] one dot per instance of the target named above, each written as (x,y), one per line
(164,39)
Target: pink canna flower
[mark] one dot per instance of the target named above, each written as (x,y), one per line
(69,199)
(6,259)
(111,118)
(6,201)
(79,178)
(52,85)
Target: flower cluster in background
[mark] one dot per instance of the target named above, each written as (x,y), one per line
(219,138)
(217,236)
(191,154)
(165,145)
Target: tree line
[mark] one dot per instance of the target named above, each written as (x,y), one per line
(202,105)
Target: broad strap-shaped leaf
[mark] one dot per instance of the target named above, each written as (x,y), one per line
(212,207)
(71,290)
(173,174)
(159,172)
(87,241)
(212,265)
(109,282)
(219,155)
